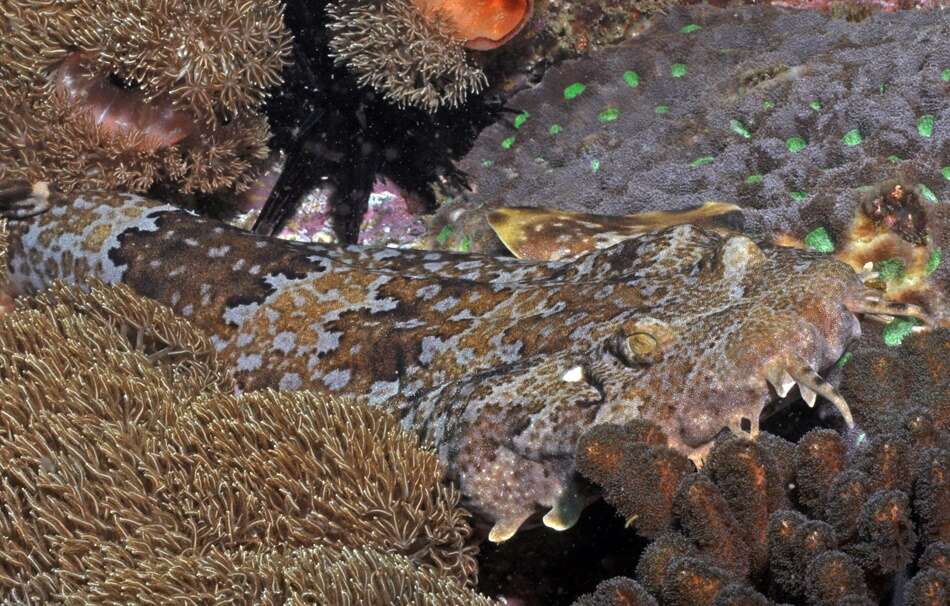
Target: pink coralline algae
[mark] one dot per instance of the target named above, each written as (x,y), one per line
(392,216)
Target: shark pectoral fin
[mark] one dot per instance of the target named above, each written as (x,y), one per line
(567,510)
(547,234)
(506,527)
(544,234)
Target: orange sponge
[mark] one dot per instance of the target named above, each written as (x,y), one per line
(481,24)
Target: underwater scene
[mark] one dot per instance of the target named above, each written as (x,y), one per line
(475,302)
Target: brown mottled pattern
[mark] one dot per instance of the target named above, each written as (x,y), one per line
(502,363)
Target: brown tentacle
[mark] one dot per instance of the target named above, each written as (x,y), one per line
(877,308)
(809,380)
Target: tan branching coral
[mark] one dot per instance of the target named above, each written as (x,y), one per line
(123,93)
(305,575)
(129,472)
(412,59)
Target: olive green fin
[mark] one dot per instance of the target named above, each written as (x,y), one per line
(547,234)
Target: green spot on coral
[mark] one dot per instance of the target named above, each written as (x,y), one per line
(795,144)
(852,138)
(897,330)
(894,159)
(662,109)
(798,196)
(925,125)
(507,143)
(844,359)
(521,118)
(574,90)
(555,129)
(444,234)
(678,70)
(933,262)
(632,78)
(487,163)
(819,240)
(689,29)
(945,171)
(609,115)
(753,179)
(927,193)
(767,105)
(882,88)
(701,161)
(595,165)
(740,129)
(815,105)
(945,75)
(890,270)
(465,245)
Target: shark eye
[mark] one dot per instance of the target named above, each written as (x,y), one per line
(636,350)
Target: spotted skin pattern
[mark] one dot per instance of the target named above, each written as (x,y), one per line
(501,363)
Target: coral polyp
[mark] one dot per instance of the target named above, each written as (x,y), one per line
(669,121)
(433,69)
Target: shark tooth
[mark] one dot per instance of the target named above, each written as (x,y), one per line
(781,381)
(808,395)
(699,455)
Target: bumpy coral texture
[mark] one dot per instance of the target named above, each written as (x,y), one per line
(130,474)
(502,363)
(782,112)
(124,93)
(824,521)
(881,381)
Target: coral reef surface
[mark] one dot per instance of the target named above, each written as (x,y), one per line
(788,114)
(133,472)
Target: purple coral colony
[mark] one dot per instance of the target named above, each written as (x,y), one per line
(471,302)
